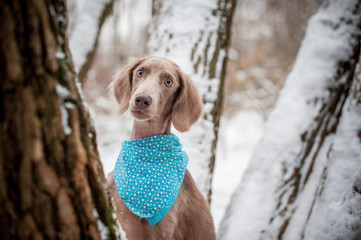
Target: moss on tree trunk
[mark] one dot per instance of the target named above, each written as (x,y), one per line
(51,179)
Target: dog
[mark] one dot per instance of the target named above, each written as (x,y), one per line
(157,93)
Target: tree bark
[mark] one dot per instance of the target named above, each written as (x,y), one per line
(303,180)
(196,36)
(51,179)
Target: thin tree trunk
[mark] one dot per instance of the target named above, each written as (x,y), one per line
(51,179)
(85,36)
(195,34)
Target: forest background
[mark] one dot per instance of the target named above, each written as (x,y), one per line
(276,153)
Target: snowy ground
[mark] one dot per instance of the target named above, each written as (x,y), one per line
(238,135)
(112,130)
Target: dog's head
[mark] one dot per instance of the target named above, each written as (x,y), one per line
(154,87)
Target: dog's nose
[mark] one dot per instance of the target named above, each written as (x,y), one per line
(143,101)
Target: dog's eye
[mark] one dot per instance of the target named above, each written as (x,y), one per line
(140,73)
(168,82)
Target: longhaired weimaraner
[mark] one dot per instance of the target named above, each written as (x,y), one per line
(157,93)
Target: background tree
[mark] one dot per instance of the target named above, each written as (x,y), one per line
(51,179)
(87,19)
(266,35)
(195,34)
(303,181)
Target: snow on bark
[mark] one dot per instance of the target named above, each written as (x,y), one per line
(194,35)
(305,166)
(90,17)
(336,212)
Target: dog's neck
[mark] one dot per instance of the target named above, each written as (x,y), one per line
(143,129)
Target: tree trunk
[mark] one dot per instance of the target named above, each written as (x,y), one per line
(304,179)
(195,35)
(85,35)
(51,179)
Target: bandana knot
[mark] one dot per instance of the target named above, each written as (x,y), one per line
(149,173)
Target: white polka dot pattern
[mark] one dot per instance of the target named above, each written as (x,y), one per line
(149,173)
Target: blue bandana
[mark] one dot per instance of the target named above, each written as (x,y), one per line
(149,173)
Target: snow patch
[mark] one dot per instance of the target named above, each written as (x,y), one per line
(59,54)
(63,94)
(103,230)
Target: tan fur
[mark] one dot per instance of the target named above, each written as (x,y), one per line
(188,106)
(189,217)
(189,101)
(121,85)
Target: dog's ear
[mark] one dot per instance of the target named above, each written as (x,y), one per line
(188,107)
(121,84)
